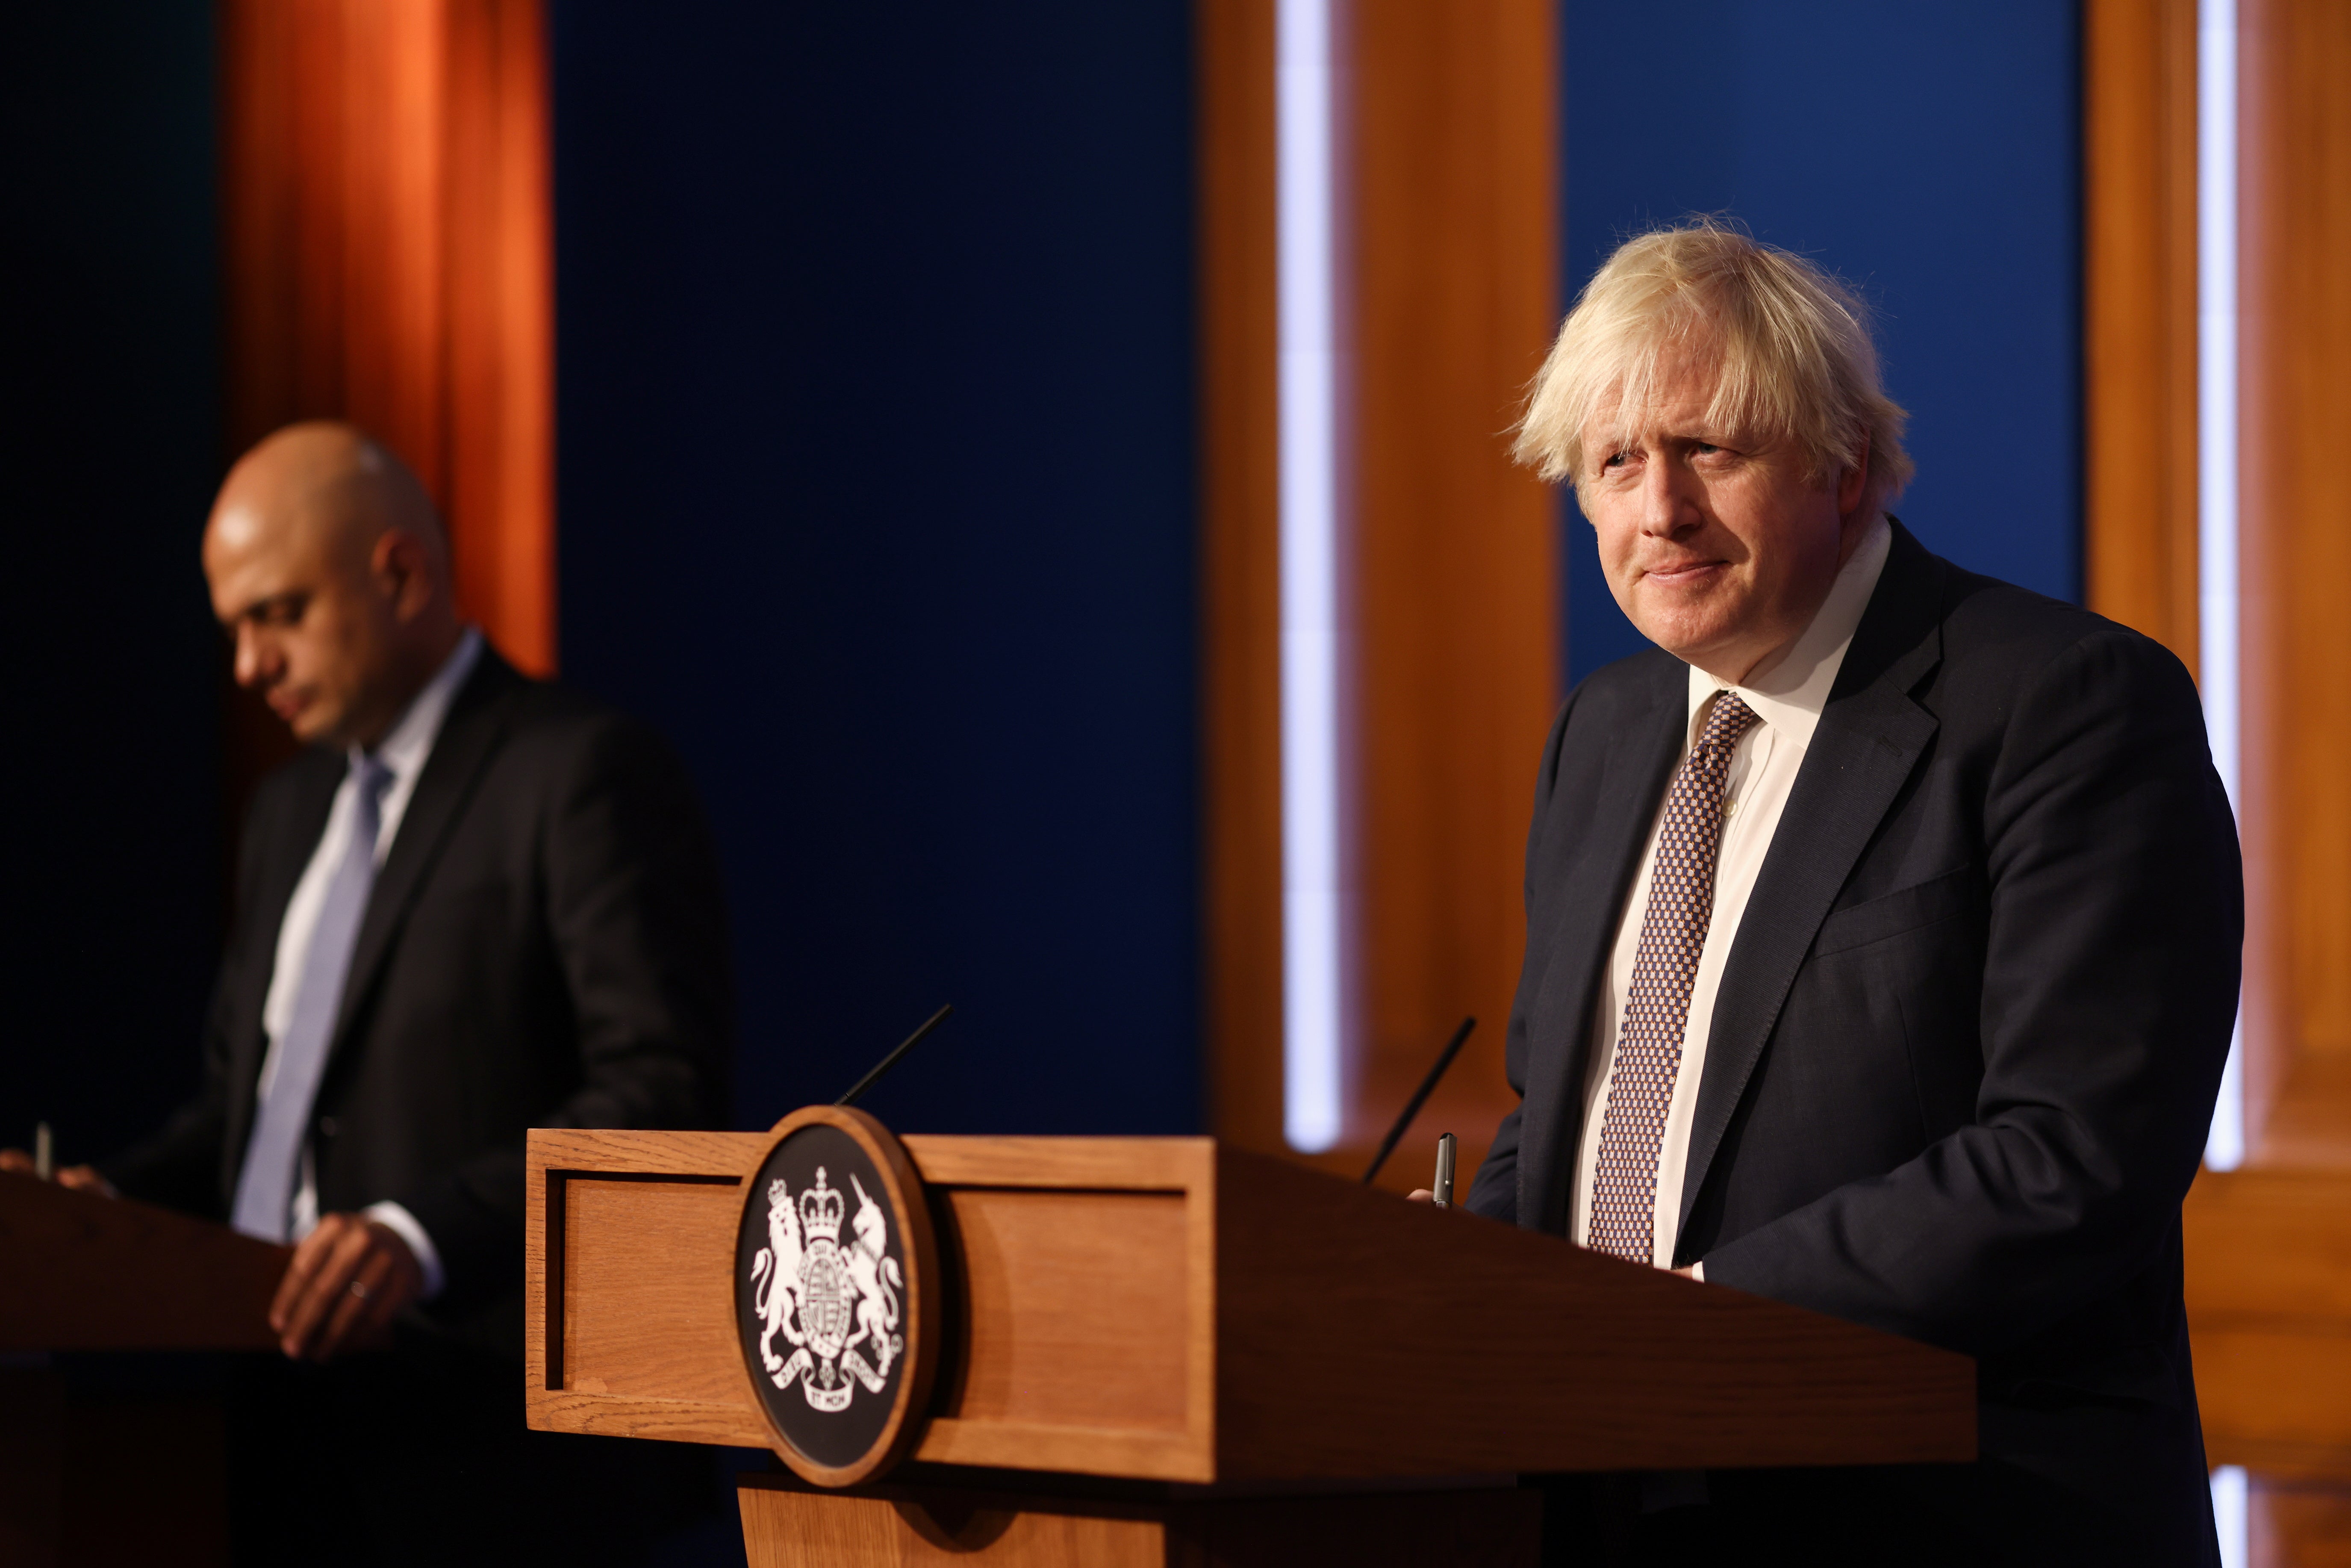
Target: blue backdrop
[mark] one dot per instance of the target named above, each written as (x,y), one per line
(875,343)
(1929,152)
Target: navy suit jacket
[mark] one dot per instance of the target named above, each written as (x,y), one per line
(545,946)
(1969,1036)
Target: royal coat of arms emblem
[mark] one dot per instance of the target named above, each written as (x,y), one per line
(834,1303)
(837,1288)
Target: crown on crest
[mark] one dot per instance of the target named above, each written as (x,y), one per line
(821,1210)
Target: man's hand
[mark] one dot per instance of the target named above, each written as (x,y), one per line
(81,1178)
(349,1277)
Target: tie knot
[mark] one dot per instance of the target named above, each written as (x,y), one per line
(371,775)
(369,778)
(1730,720)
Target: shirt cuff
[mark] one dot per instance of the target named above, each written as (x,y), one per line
(402,1224)
(1698,1270)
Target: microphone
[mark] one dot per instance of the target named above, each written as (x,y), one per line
(1420,1097)
(890,1060)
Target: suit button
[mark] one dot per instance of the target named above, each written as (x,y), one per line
(327,1127)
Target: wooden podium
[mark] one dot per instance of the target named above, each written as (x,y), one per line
(79,1272)
(87,1272)
(1163,1350)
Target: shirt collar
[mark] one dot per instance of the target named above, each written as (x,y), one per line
(1791,693)
(410,740)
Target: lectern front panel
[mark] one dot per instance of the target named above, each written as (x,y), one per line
(1088,1340)
(1076,1300)
(631,1326)
(654,1234)
(1081,1273)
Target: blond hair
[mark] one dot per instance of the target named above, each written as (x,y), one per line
(1790,344)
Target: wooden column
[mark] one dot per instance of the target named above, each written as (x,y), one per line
(385,175)
(1241,525)
(2138,226)
(2294,341)
(2268,1275)
(1451,293)
(2290,1331)
(1454,297)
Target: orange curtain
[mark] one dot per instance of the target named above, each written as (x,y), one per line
(389,260)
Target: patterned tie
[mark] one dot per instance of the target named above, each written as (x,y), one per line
(1665,965)
(265,1188)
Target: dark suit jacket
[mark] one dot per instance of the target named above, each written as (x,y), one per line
(546,945)
(1968,1040)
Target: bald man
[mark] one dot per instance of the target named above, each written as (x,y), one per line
(477,903)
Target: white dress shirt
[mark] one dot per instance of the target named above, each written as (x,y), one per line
(405,748)
(1787,696)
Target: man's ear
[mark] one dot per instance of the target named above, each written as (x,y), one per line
(1853,484)
(402,571)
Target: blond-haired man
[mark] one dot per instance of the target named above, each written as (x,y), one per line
(1882,932)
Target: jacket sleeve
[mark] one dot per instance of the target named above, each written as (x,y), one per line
(635,916)
(1495,1192)
(2110,979)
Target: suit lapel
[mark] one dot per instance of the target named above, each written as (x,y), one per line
(1600,876)
(469,738)
(1871,736)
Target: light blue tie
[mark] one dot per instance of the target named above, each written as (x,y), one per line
(265,1188)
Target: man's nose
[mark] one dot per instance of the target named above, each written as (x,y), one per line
(1668,498)
(255,663)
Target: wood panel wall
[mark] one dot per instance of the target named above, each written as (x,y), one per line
(2292,1380)
(1240,630)
(1454,297)
(2138,228)
(2295,340)
(1450,251)
(2268,1245)
(388,259)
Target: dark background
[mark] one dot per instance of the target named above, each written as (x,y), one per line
(876,431)
(876,478)
(109,449)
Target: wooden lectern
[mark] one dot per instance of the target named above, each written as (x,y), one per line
(84,1273)
(1163,1350)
